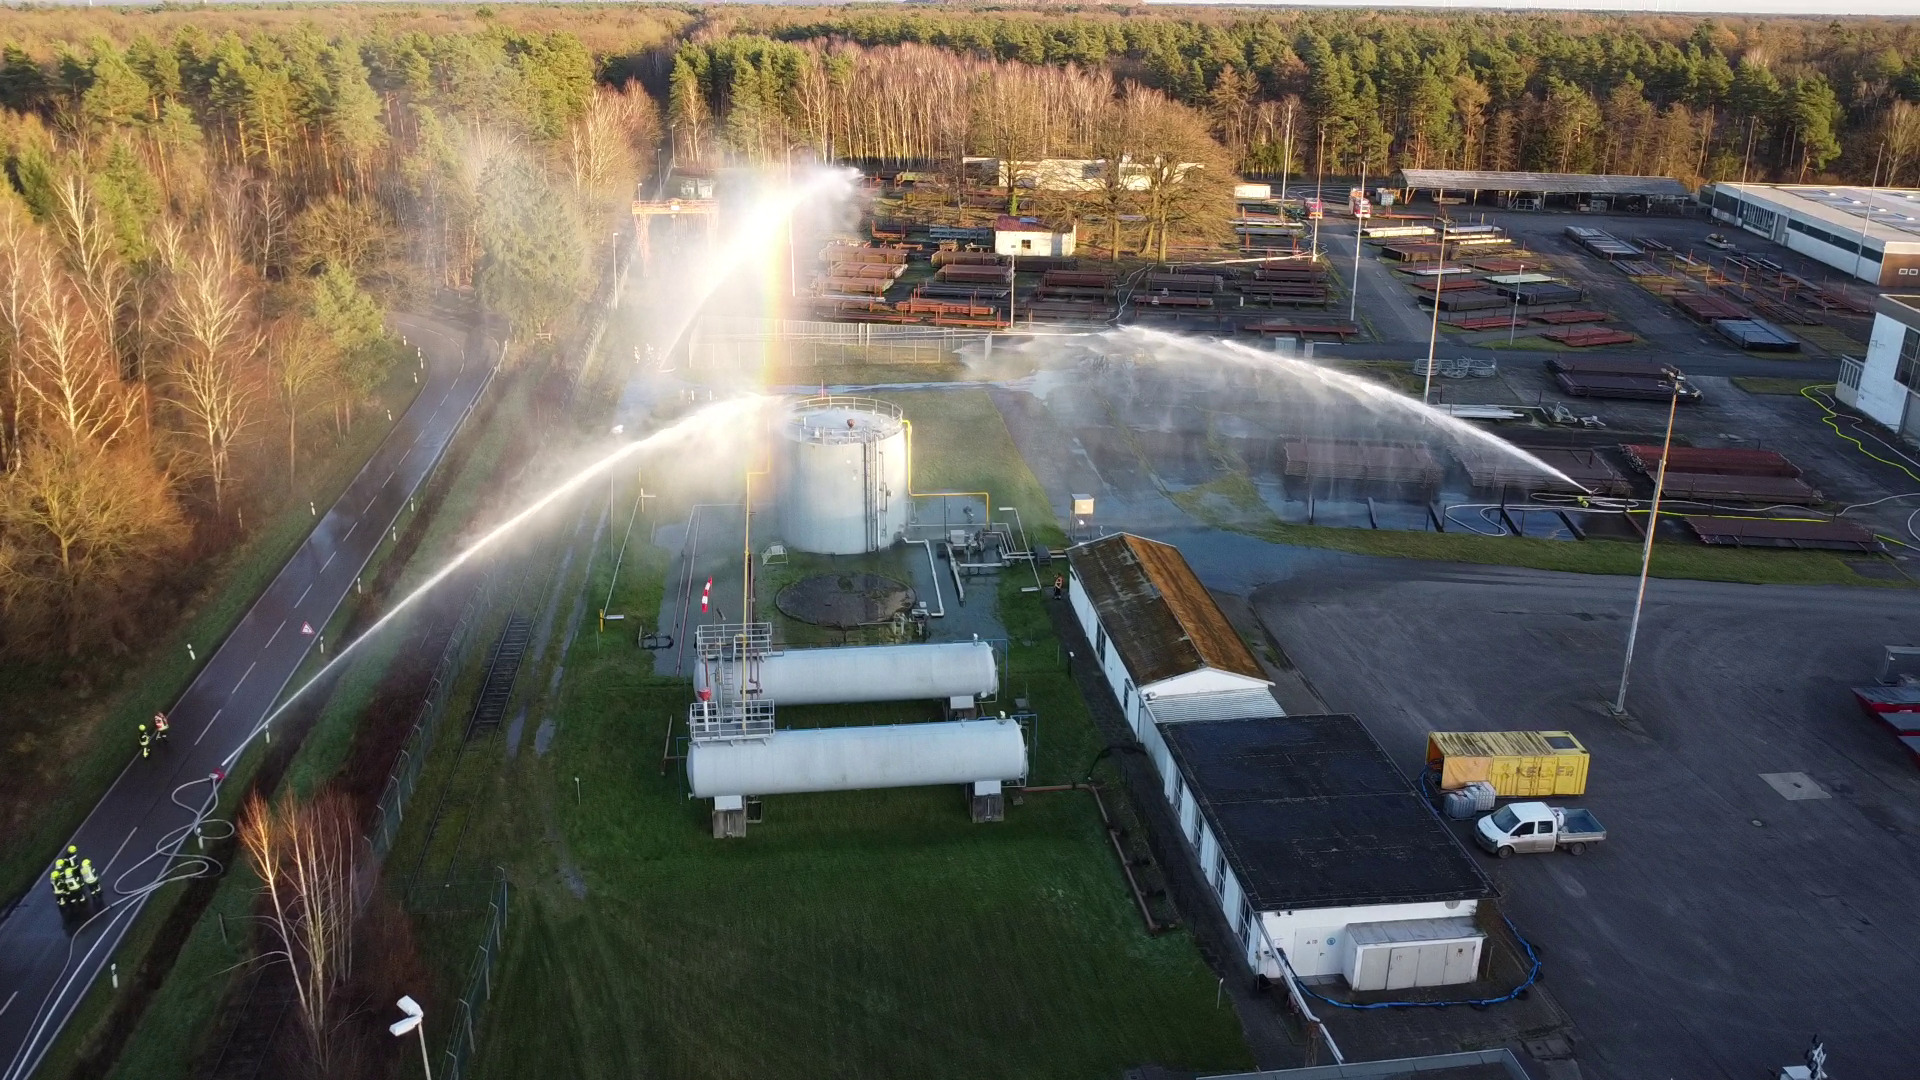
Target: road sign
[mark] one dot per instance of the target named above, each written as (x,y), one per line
(306,628)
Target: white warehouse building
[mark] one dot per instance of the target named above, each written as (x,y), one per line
(1886,385)
(1313,842)
(1869,233)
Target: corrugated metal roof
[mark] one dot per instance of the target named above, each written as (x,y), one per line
(1254,701)
(1543,182)
(1161,619)
(1312,813)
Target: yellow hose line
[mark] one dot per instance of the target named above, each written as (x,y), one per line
(1828,419)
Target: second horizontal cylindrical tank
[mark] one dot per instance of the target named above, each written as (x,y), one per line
(857,758)
(934,671)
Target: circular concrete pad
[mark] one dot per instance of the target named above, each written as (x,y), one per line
(844,601)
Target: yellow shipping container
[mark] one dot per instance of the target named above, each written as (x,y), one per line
(1519,764)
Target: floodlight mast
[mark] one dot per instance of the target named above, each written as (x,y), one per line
(414,1021)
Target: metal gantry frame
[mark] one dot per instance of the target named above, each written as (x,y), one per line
(733,710)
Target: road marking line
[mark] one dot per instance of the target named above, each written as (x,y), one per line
(209,727)
(121,848)
(350,529)
(276,633)
(329,562)
(389,479)
(244,674)
(370,502)
(303,594)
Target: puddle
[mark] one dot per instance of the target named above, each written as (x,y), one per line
(543,737)
(518,724)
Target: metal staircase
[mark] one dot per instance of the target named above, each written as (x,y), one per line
(733,708)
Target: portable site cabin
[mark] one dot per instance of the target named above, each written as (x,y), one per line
(1029,236)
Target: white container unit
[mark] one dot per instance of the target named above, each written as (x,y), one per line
(833,676)
(841,474)
(1413,952)
(858,758)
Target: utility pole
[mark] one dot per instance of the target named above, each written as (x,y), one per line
(1433,336)
(1319,200)
(1286,154)
(1359,223)
(1619,706)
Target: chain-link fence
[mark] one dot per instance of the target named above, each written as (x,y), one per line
(405,776)
(463,1042)
(719,341)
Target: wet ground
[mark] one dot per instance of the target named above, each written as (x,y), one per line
(1728,917)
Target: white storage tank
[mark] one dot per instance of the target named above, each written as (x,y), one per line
(858,758)
(841,475)
(833,676)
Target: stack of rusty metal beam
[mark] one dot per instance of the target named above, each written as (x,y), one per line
(974,274)
(1587,337)
(1340,459)
(1833,535)
(1586,468)
(1567,318)
(1706,308)
(950,257)
(1306,327)
(1731,474)
(1484,322)
(964,291)
(1467,299)
(1170,300)
(1726,460)
(1196,283)
(887,254)
(853,286)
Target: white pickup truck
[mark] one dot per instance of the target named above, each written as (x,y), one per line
(1535,826)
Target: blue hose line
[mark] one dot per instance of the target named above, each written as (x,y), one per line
(1533,976)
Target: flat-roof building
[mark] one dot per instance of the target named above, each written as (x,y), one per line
(1535,190)
(1313,842)
(1868,233)
(1886,384)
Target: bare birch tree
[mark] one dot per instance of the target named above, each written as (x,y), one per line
(211,373)
(303,854)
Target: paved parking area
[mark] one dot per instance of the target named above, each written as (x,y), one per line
(1758,884)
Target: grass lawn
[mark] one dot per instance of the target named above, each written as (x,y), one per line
(1670,560)
(1770,384)
(858,934)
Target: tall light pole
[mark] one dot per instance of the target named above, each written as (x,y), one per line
(1433,336)
(1646,551)
(1319,200)
(1514,319)
(415,1020)
(1359,223)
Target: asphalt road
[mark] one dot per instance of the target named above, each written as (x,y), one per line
(47,962)
(1730,915)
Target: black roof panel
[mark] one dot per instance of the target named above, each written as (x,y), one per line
(1312,813)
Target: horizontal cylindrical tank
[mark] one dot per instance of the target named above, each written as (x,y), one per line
(842,475)
(856,758)
(934,671)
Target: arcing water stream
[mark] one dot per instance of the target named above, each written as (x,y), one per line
(1335,403)
(719,421)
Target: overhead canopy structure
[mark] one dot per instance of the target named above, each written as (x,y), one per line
(1464,181)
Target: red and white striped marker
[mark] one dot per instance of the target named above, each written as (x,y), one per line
(706,596)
